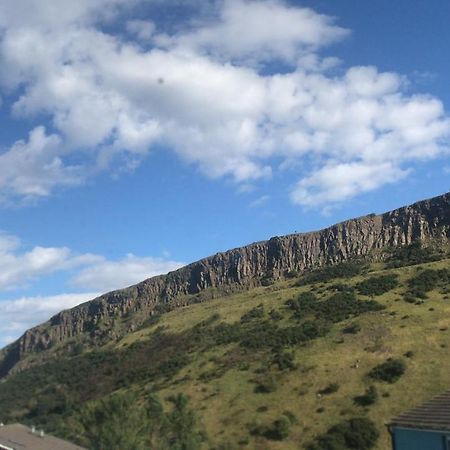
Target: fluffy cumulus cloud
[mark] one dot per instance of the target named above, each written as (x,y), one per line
(107,275)
(33,167)
(94,272)
(18,267)
(209,91)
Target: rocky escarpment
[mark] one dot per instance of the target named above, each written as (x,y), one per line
(116,313)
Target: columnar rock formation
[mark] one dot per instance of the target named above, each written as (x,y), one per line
(116,313)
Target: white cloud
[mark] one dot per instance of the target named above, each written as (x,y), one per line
(202,93)
(18,315)
(19,267)
(335,183)
(33,168)
(93,272)
(142,29)
(260,201)
(51,15)
(260,31)
(108,275)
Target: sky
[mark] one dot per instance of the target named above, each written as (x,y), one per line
(140,135)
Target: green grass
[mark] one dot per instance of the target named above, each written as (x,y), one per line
(220,380)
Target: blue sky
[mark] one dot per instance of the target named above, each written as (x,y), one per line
(140,135)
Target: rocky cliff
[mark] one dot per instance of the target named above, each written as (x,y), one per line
(116,313)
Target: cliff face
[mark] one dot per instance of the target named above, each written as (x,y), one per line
(116,313)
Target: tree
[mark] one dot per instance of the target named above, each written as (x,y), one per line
(115,423)
(123,421)
(180,429)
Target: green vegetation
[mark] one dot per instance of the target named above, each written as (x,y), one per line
(378,285)
(250,364)
(330,389)
(357,434)
(339,306)
(254,313)
(412,254)
(425,281)
(368,398)
(279,430)
(123,421)
(352,328)
(389,371)
(328,273)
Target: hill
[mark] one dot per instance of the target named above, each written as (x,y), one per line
(117,313)
(272,363)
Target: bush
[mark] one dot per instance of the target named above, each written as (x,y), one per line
(279,430)
(324,274)
(340,306)
(389,371)
(341,287)
(368,398)
(330,389)
(343,305)
(252,314)
(378,285)
(275,315)
(412,254)
(352,328)
(265,385)
(426,281)
(292,274)
(353,434)
(284,361)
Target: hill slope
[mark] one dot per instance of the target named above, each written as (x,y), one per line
(297,352)
(118,313)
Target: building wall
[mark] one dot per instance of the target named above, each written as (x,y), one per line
(408,439)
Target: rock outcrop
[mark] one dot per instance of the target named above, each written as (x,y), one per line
(116,313)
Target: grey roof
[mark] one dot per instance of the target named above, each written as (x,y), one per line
(20,437)
(431,415)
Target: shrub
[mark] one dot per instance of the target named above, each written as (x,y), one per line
(340,287)
(378,285)
(267,280)
(252,314)
(338,307)
(389,371)
(344,305)
(426,281)
(265,385)
(330,389)
(284,361)
(292,274)
(352,328)
(275,315)
(353,434)
(302,305)
(411,254)
(324,274)
(279,430)
(368,398)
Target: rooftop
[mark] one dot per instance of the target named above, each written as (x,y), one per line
(20,437)
(431,415)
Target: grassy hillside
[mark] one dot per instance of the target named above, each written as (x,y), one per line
(270,368)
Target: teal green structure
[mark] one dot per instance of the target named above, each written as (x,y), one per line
(426,427)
